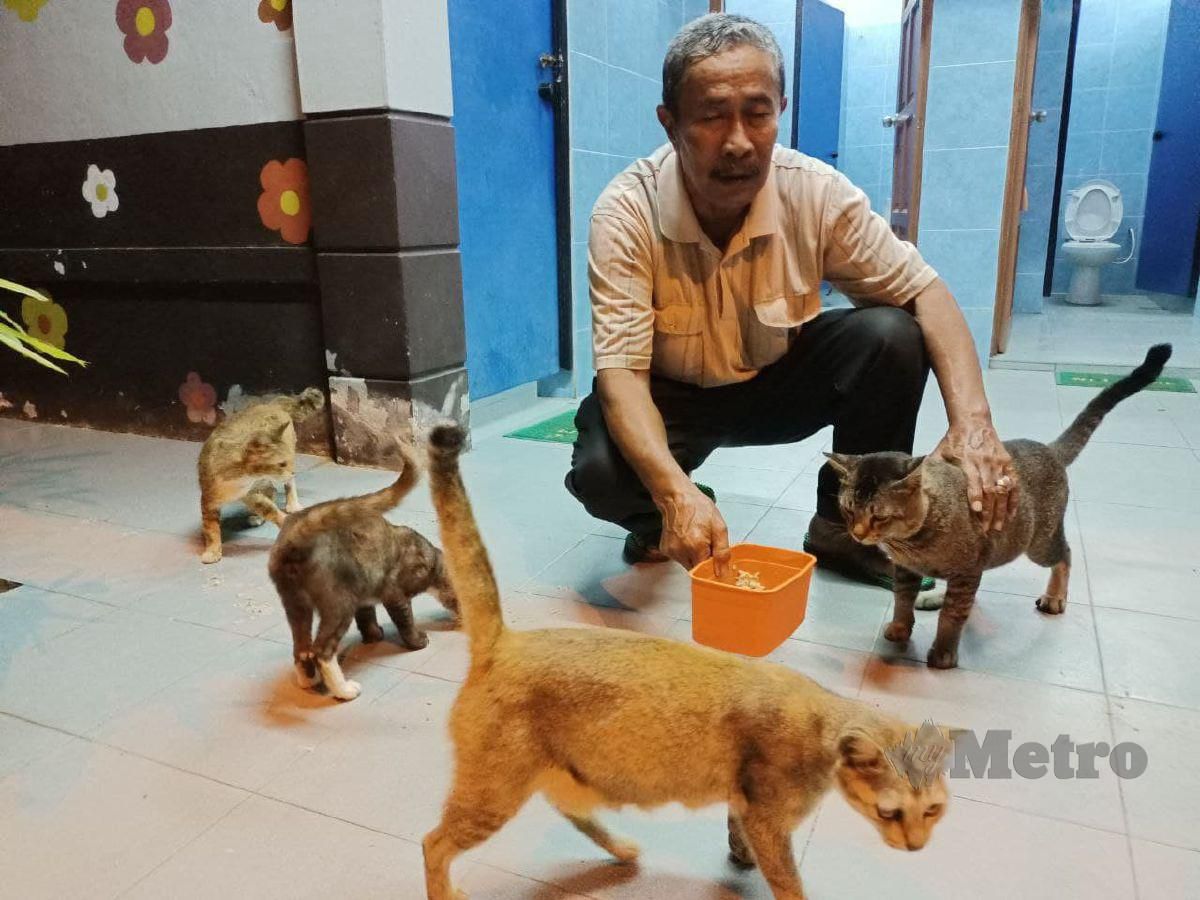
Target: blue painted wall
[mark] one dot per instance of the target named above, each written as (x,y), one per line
(1114,101)
(616,55)
(968,115)
(1054,35)
(871,62)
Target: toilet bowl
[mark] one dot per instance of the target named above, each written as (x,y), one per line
(1094,212)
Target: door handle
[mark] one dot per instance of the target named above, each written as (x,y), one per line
(1038,115)
(898,119)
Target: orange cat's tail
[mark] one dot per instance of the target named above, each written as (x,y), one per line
(466,557)
(332,513)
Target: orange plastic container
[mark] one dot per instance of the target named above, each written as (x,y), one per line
(743,620)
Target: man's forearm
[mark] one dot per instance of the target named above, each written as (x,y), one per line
(952,354)
(637,429)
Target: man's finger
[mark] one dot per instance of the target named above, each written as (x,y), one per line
(974,486)
(720,548)
(1000,512)
(1014,497)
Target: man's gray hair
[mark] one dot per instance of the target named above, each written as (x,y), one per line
(707,36)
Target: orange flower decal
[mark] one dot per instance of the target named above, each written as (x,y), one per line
(283,205)
(199,398)
(277,11)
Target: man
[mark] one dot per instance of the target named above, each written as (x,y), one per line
(705,265)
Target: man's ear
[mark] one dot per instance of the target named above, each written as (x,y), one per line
(668,123)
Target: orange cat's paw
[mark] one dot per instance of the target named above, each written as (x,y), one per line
(211,555)
(626,851)
(898,632)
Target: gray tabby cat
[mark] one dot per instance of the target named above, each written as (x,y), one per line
(338,559)
(916,511)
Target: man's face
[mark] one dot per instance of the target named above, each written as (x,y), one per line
(725,128)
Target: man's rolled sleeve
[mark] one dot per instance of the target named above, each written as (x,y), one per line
(621,284)
(864,259)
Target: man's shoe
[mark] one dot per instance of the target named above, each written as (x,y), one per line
(639,549)
(836,551)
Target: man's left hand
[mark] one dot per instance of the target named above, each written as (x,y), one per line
(992,486)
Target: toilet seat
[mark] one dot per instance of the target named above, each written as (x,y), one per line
(1094,211)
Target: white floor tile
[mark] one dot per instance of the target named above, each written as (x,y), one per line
(1163,803)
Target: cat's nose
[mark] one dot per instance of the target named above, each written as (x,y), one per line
(859,530)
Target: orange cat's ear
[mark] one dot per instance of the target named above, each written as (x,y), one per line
(281,431)
(858,751)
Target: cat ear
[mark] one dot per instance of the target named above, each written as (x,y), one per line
(914,473)
(842,463)
(281,431)
(858,751)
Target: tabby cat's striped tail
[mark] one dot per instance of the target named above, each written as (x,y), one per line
(1072,441)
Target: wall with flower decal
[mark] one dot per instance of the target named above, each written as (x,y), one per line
(75,71)
(158,176)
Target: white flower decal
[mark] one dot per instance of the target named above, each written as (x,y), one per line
(100,190)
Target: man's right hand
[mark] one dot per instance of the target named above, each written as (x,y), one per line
(693,530)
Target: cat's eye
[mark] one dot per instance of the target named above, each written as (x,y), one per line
(890,815)
(934,810)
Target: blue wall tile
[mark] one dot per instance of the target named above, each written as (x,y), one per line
(1027,292)
(861,164)
(589,103)
(1125,151)
(586,29)
(1097,22)
(966,260)
(626,97)
(963,188)
(694,9)
(590,174)
(869,87)
(1131,108)
(964,105)
(1135,63)
(1083,153)
(581,304)
(1092,64)
(967,31)
(864,126)
(1087,109)
(1048,81)
(632,36)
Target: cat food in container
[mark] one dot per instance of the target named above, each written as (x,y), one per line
(757,605)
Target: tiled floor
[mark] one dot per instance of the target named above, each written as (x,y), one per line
(1116,333)
(152,743)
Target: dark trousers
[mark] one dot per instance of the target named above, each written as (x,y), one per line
(863,371)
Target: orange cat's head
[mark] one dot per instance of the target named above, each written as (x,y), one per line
(271,453)
(903,808)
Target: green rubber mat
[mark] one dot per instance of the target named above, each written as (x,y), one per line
(1103,380)
(559,429)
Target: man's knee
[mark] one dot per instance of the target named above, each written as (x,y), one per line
(893,331)
(596,480)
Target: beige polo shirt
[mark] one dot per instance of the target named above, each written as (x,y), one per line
(665,298)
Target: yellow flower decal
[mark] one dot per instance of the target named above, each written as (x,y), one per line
(45,321)
(26,10)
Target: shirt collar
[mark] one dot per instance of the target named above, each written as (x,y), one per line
(677,219)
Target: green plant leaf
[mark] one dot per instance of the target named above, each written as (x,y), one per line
(39,344)
(14,339)
(21,289)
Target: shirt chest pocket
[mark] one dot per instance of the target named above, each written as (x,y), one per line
(679,342)
(789,309)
